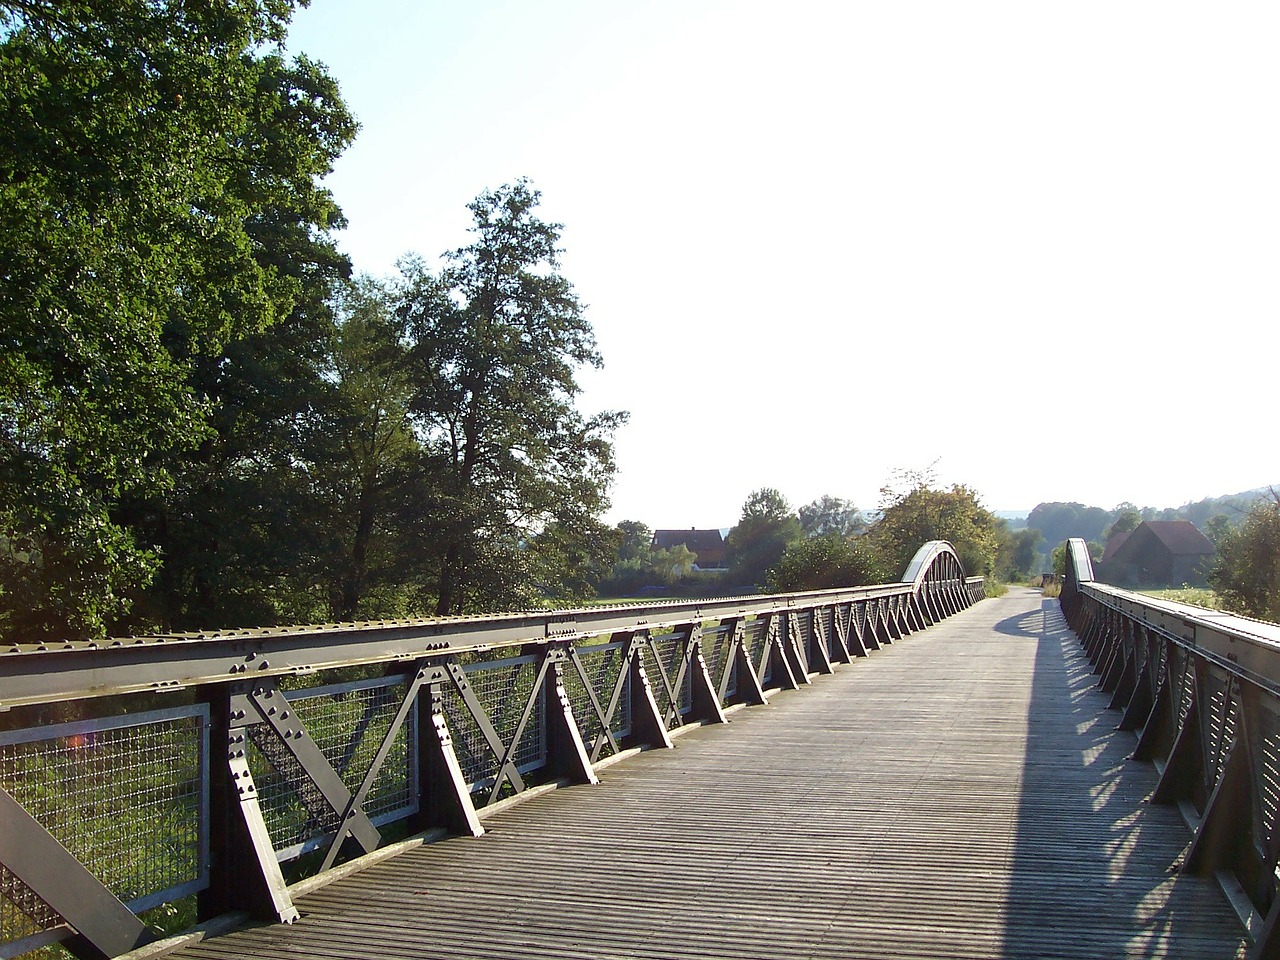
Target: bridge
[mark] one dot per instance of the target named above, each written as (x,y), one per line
(904,770)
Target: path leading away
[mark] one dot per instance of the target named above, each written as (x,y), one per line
(962,793)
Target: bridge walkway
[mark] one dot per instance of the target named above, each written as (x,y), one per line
(960,794)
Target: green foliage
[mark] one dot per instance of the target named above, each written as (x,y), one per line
(1195,596)
(157,157)
(760,538)
(827,561)
(917,514)
(1217,527)
(1247,572)
(638,566)
(1058,559)
(1061,521)
(1017,553)
(636,540)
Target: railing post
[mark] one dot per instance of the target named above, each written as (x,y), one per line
(706,699)
(566,753)
(244,873)
(445,799)
(647,722)
(818,653)
(750,689)
(839,635)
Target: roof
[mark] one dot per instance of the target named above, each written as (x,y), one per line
(1180,536)
(694,539)
(1114,544)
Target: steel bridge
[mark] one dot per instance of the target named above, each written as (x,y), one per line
(889,771)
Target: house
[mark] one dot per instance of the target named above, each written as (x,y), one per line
(709,545)
(1113,545)
(1158,553)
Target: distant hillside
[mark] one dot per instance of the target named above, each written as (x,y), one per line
(1060,521)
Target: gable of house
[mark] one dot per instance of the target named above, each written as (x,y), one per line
(1160,553)
(709,545)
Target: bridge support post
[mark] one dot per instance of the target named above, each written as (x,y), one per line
(706,698)
(778,646)
(647,722)
(819,652)
(1138,707)
(839,634)
(566,753)
(854,638)
(244,873)
(750,689)
(1226,829)
(1185,765)
(868,629)
(1267,945)
(445,799)
(1161,722)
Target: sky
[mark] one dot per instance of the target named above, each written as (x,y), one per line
(1029,246)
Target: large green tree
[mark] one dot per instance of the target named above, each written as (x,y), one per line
(496,340)
(160,164)
(917,513)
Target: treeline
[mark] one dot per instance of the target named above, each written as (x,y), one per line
(1059,521)
(204,421)
(831,543)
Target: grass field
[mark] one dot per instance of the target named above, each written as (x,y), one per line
(1196,596)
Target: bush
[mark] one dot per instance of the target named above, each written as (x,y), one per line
(1247,572)
(827,562)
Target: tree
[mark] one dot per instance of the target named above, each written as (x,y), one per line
(495,341)
(362,452)
(767,527)
(918,514)
(157,154)
(635,540)
(1017,552)
(1128,520)
(827,561)
(1247,570)
(831,515)
(1061,521)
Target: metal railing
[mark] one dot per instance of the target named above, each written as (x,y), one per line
(137,772)
(1202,691)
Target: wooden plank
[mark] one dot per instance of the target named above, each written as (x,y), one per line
(961,794)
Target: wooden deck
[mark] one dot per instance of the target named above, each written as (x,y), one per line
(962,793)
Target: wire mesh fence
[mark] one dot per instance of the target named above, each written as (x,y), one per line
(348,722)
(603,664)
(127,796)
(503,688)
(717,647)
(664,655)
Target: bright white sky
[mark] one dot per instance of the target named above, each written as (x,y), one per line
(1035,242)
